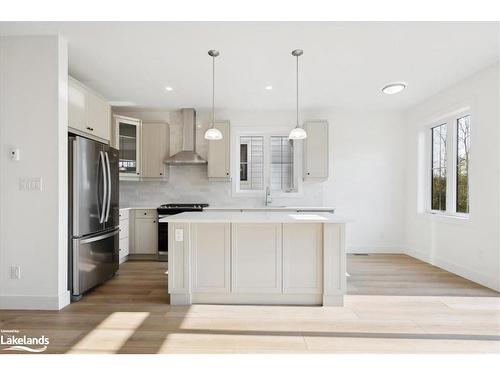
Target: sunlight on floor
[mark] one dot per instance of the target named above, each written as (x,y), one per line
(109,336)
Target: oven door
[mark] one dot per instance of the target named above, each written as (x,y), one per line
(162,239)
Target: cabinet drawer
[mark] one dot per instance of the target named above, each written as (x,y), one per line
(124,228)
(123,214)
(146,214)
(123,247)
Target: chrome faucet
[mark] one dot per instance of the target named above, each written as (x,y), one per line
(268,196)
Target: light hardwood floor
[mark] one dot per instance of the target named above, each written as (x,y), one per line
(396,305)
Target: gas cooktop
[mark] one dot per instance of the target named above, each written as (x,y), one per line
(175,208)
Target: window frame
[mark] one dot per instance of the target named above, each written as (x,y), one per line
(451,121)
(432,168)
(267,134)
(455,166)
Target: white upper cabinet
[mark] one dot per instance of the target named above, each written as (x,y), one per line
(77,105)
(316,151)
(88,112)
(219,154)
(155,149)
(128,133)
(98,114)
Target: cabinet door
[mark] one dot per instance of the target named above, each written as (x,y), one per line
(146,236)
(211,258)
(218,154)
(77,105)
(124,251)
(98,117)
(256,258)
(128,132)
(316,150)
(302,258)
(154,149)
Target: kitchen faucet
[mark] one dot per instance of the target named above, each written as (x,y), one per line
(268,196)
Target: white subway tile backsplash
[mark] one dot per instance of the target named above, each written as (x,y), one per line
(189,183)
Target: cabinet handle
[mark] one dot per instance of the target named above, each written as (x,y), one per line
(89,128)
(161,174)
(308,173)
(138,173)
(154,221)
(227,173)
(145,213)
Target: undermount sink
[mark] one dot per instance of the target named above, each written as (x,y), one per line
(306,217)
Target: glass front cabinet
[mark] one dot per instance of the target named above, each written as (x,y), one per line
(127,138)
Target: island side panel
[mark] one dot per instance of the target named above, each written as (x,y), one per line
(303,258)
(334,264)
(256,251)
(179,265)
(211,257)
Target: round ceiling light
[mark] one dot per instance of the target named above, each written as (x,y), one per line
(269,88)
(393,88)
(168,88)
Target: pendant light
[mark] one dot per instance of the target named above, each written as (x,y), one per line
(297,132)
(213,134)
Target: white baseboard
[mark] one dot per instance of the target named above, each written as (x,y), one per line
(375,250)
(489,281)
(35,302)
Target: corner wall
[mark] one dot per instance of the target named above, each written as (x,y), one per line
(33,224)
(469,248)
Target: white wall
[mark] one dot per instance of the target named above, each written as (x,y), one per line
(469,248)
(366,177)
(33,224)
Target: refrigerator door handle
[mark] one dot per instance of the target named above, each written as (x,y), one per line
(108,170)
(105,187)
(99,238)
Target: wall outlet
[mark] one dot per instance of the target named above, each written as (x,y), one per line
(33,184)
(15,154)
(179,235)
(15,272)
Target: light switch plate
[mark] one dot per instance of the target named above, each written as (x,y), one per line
(15,272)
(179,235)
(33,184)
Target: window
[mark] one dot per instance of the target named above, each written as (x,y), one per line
(281,163)
(252,163)
(462,173)
(267,160)
(438,168)
(449,165)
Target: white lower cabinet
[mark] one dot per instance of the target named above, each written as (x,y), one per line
(124,235)
(256,258)
(211,254)
(145,235)
(302,258)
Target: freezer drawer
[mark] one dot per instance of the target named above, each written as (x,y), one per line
(94,260)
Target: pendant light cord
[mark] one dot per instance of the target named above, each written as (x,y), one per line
(213,91)
(297,91)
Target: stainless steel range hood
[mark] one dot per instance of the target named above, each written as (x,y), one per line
(188,154)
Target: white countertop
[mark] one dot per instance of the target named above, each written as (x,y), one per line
(262,208)
(253,217)
(271,208)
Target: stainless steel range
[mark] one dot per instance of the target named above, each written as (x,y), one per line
(167,210)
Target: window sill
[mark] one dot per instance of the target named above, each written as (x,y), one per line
(446,218)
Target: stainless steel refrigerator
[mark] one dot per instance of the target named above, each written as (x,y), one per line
(93,214)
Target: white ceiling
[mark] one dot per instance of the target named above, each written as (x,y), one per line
(344,64)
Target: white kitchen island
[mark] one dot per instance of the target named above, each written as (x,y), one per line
(262,257)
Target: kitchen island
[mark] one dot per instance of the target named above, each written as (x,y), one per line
(262,257)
